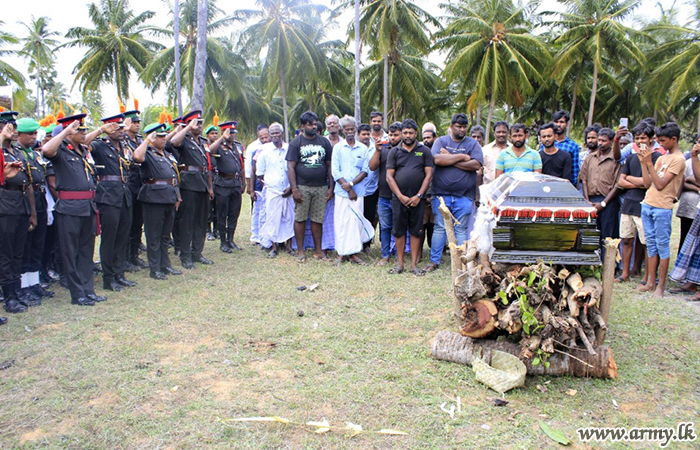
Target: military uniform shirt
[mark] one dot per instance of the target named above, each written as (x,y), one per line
(229,162)
(73,173)
(38,165)
(134,174)
(112,193)
(12,202)
(191,152)
(157,167)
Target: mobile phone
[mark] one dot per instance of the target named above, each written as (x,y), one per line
(624,122)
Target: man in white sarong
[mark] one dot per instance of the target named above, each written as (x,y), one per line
(271,168)
(254,186)
(350,166)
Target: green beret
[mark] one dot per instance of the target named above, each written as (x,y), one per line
(27,125)
(209,129)
(156,126)
(49,129)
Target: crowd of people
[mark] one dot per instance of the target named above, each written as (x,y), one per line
(327,190)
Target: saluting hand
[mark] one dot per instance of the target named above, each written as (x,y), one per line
(226,133)
(696,150)
(109,128)
(127,122)
(7,131)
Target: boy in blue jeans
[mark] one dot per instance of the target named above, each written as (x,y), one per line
(662,181)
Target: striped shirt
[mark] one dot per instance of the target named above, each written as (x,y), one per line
(529,161)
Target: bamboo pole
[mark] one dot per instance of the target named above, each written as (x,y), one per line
(611,255)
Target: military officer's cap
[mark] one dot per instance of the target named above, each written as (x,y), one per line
(158,128)
(8,116)
(209,129)
(134,115)
(229,125)
(119,118)
(27,125)
(194,114)
(65,121)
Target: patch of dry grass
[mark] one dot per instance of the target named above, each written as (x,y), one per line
(156,365)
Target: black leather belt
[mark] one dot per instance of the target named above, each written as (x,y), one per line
(111,178)
(170,182)
(15,187)
(230,176)
(195,169)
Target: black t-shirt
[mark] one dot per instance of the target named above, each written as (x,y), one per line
(633,197)
(384,189)
(409,167)
(557,165)
(311,156)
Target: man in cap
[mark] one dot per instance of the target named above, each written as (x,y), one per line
(133,139)
(212,134)
(17,214)
(160,196)
(33,250)
(195,188)
(113,197)
(75,211)
(228,184)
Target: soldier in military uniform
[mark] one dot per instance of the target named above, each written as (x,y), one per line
(75,211)
(212,134)
(160,196)
(133,139)
(195,189)
(228,184)
(32,291)
(17,214)
(113,197)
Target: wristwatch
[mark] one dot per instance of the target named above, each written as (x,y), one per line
(351,184)
(420,195)
(603,204)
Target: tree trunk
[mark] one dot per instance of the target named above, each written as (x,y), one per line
(200,61)
(492,106)
(574,94)
(386,89)
(178,74)
(455,252)
(478,118)
(594,88)
(698,120)
(358,114)
(450,346)
(38,100)
(283,92)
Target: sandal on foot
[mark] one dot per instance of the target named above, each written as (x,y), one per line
(679,290)
(358,261)
(621,280)
(395,270)
(418,272)
(301,259)
(383,262)
(695,298)
(431,267)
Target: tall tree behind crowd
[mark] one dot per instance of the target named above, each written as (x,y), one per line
(593,30)
(389,27)
(200,61)
(676,63)
(8,74)
(282,28)
(38,49)
(114,47)
(491,51)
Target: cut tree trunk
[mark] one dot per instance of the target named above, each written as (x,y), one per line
(479,319)
(455,254)
(609,264)
(450,346)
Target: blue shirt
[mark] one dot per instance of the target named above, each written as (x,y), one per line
(573,148)
(529,161)
(348,162)
(372,180)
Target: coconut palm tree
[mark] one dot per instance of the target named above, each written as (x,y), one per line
(389,27)
(284,29)
(490,50)
(38,48)
(223,71)
(677,61)
(593,30)
(115,46)
(8,74)
(200,60)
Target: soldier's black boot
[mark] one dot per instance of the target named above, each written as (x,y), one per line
(12,305)
(224,247)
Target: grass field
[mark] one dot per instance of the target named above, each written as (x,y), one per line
(156,366)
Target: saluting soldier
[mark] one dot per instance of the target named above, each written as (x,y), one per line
(195,189)
(17,214)
(75,211)
(113,197)
(212,134)
(32,292)
(228,184)
(133,139)
(160,196)
(174,153)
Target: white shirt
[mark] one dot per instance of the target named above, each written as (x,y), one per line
(272,165)
(252,147)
